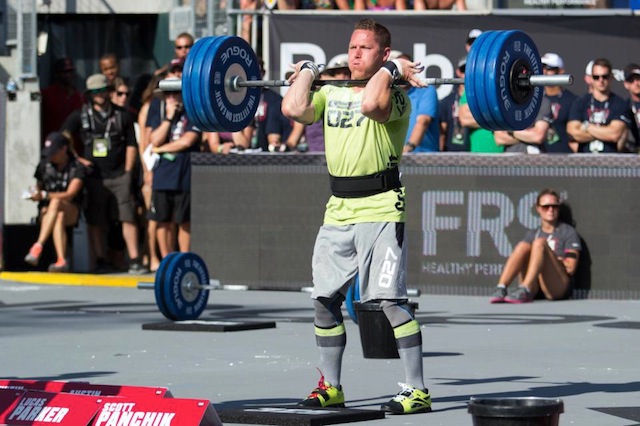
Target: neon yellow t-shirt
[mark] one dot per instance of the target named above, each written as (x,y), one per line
(358,146)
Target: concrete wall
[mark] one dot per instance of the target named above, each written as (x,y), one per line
(22,152)
(106,6)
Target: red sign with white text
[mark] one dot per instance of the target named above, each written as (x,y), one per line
(9,398)
(84,388)
(126,411)
(45,408)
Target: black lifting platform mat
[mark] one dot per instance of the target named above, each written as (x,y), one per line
(200,325)
(296,416)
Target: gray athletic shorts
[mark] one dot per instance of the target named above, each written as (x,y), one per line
(375,251)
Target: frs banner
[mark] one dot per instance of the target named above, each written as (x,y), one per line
(465,214)
(437,41)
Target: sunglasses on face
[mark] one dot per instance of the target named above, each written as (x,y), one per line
(603,77)
(184,46)
(118,93)
(549,206)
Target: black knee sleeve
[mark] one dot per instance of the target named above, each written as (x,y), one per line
(398,312)
(327,311)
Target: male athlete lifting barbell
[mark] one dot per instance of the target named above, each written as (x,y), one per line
(365,123)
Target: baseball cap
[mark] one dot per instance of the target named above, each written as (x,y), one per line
(552,60)
(54,142)
(631,70)
(587,70)
(97,83)
(340,61)
(63,64)
(473,34)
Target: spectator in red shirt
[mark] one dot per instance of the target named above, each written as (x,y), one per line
(60,99)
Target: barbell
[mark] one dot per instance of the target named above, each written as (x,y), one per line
(181,288)
(221,82)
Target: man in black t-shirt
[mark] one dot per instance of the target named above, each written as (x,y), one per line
(110,151)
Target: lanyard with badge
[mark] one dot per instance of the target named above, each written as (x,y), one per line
(598,117)
(101,145)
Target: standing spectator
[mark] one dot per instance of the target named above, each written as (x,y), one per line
(546,258)
(632,84)
(557,139)
(363,229)
(270,129)
(110,148)
(59,180)
(471,37)
(109,67)
(144,146)
(424,128)
(598,120)
(60,99)
(182,46)
(386,5)
(173,136)
(453,136)
(530,140)
(480,140)
(120,93)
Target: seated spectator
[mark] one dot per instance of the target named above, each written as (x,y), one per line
(530,140)
(58,192)
(546,259)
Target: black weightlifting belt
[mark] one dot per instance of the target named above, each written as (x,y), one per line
(364,186)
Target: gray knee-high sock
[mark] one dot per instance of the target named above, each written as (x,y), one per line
(331,363)
(412,361)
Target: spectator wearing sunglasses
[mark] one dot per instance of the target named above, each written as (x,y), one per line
(598,121)
(546,259)
(632,84)
(110,151)
(181,47)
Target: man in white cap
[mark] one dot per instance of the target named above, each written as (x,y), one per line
(310,138)
(471,37)
(110,150)
(557,138)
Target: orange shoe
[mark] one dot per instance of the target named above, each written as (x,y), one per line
(60,266)
(33,256)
